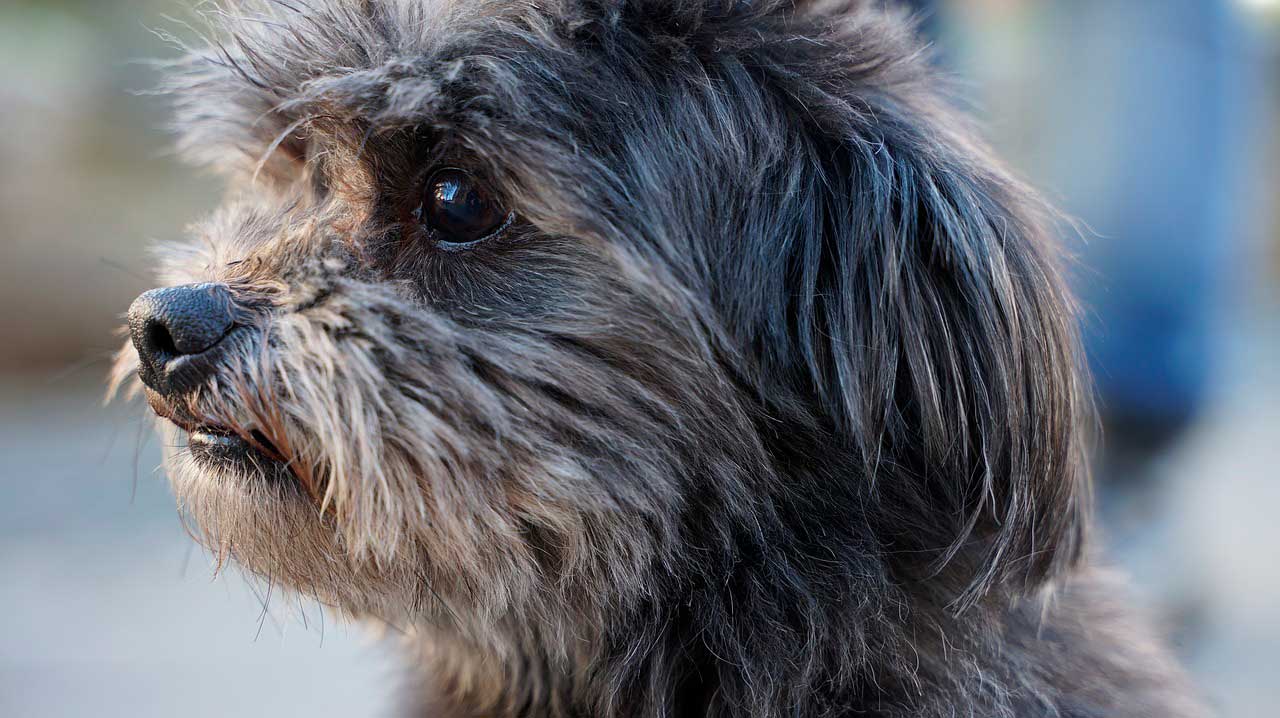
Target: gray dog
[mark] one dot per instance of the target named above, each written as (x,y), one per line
(636,358)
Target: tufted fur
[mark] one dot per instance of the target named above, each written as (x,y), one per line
(768,405)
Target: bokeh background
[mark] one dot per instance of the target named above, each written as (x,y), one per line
(1156,123)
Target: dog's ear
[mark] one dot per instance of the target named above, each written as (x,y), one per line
(943,341)
(932,321)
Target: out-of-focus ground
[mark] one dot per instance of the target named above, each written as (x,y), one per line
(107,610)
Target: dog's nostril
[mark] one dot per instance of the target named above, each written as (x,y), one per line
(161,341)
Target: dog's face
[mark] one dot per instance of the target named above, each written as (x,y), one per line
(527,305)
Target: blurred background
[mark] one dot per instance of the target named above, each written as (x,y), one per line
(1155,123)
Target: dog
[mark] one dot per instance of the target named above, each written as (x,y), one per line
(637,358)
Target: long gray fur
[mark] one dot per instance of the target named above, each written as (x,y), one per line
(770,404)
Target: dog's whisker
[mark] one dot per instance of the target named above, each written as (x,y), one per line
(266,603)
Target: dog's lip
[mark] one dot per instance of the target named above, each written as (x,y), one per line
(219,444)
(193,427)
(213,434)
(218,436)
(165,410)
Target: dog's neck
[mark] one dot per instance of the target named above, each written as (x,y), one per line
(768,633)
(812,611)
(678,674)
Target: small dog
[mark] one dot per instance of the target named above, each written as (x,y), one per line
(638,358)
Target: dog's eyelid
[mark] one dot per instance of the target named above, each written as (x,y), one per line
(502,230)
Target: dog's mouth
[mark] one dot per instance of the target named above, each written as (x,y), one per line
(215,443)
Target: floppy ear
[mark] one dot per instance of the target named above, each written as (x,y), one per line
(934,323)
(947,348)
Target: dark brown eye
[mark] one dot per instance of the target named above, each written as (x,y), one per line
(460,209)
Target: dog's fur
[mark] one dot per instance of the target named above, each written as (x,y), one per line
(769,404)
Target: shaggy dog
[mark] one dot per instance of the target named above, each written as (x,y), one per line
(636,358)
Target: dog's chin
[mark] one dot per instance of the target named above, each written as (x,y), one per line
(246,509)
(229,486)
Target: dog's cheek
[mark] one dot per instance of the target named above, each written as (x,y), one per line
(425,448)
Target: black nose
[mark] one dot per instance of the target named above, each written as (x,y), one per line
(174,329)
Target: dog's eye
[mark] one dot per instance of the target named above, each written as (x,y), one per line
(461,210)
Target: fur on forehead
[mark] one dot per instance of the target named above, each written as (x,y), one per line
(272,77)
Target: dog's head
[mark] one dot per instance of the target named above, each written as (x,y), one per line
(584,303)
